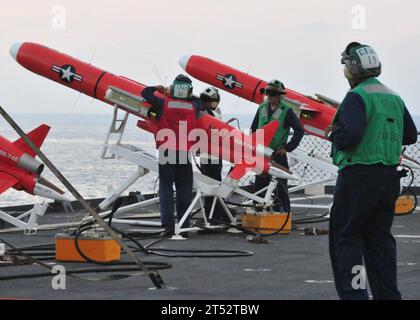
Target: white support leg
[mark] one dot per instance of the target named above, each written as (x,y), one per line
(213,206)
(137,222)
(268,200)
(251,196)
(144,161)
(12,220)
(31,226)
(229,214)
(140,172)
(132,207)
(117,128)
(203,210)
(2,249)
(178,226)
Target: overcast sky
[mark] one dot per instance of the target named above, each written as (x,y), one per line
(298,42)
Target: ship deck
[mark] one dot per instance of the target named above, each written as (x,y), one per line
(291,266)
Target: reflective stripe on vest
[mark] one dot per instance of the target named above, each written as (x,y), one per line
(378,88)
(179,105)
(277,114)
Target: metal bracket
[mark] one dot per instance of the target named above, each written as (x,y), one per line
(116,129)
(145,163)
(31,226)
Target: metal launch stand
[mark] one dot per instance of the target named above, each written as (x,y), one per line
(308,158)
(145,162)
(205,186)
(31,226)
(319,162)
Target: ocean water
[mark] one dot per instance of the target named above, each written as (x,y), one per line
(74,145)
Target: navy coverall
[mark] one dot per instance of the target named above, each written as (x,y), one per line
(172,173)
(363,211)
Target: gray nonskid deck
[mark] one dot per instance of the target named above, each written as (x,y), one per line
(291,266)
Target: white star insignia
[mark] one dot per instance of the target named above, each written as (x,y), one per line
(229,82)
(67,74)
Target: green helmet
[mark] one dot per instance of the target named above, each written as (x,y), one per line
(275,86)
(361,61)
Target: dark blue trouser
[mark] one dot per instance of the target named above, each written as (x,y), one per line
(281,194)
(360,230)
(182,176)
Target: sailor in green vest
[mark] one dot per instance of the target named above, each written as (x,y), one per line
(368,132)
(275,109)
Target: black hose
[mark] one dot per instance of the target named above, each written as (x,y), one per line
(159,252)
(313,222)
(88,226)
(36,247)
(197,253)
(162,252)
(115,207)
(312,219)
(72,273)
(408,191)
(403,173)
(154,266)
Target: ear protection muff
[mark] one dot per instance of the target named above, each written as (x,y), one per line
(181,90)
(182,87)
(352,70)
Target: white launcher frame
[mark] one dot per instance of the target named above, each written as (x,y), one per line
(205,186)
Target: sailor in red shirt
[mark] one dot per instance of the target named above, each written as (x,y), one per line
(176,111)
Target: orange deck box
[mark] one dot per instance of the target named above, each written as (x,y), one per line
(266,223)
(103,249)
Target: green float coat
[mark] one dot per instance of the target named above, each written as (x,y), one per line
(279,114)
(382,139)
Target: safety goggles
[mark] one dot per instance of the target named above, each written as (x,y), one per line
(272,93)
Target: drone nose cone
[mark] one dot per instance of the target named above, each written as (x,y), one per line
(183,62)
(14,49)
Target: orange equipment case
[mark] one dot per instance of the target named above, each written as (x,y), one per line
(266,223)
(102,248)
